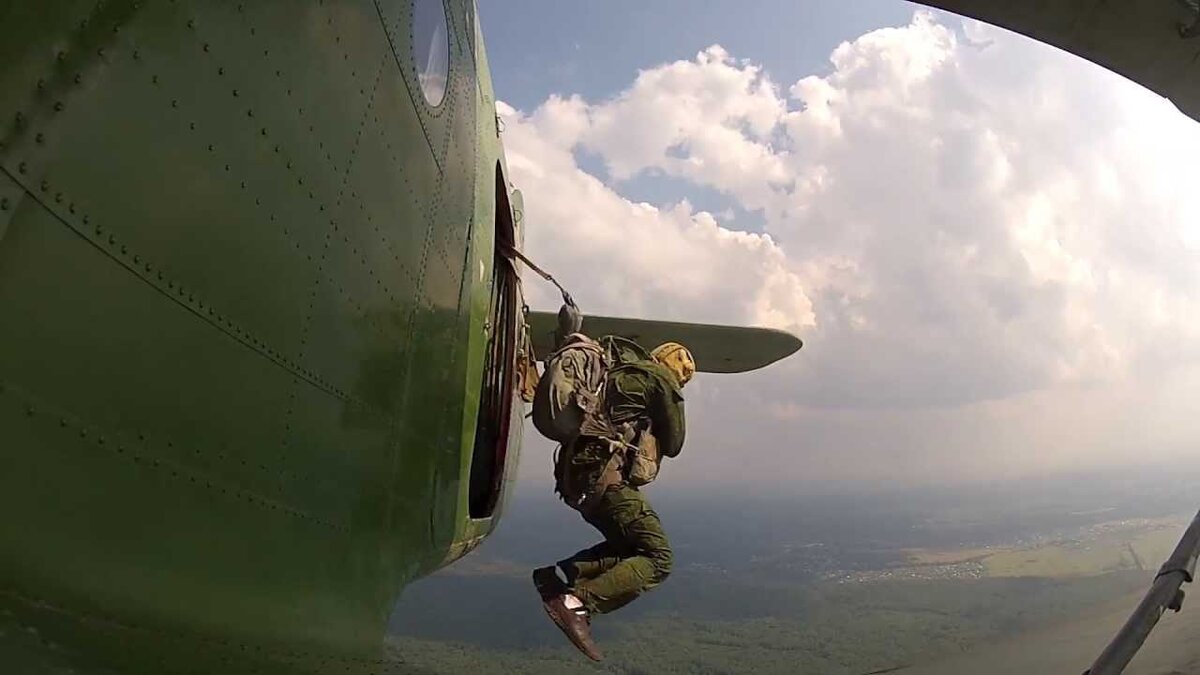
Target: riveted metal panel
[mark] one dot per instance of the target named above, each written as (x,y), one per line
(228,194)
(11,195)
(36,47)
(124,480)
(233,281)
(371,259)
(331,447)
(79,315)
(314,63)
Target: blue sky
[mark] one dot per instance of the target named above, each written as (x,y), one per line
(593,48)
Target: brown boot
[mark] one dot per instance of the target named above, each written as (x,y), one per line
(575,624)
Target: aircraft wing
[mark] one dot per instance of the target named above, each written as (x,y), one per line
(717,349)
(1139,40)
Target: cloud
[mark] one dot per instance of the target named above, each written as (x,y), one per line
(635,258)
(957,218)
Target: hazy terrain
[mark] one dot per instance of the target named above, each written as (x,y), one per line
(841,583)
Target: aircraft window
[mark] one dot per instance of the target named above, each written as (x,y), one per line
(431,47)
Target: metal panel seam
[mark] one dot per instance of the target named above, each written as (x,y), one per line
(181,297)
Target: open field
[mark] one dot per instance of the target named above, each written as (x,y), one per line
(1131,544)
(1069,646)
(1112,546)
(919,556)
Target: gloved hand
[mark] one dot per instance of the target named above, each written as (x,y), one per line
(570,320)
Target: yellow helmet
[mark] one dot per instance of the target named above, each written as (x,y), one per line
(677,359)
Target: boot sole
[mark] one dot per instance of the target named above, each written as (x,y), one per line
(567,631)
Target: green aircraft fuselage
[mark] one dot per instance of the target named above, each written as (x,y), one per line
(245,272)
(258,351)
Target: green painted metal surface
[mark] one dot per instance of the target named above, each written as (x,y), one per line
(244,276)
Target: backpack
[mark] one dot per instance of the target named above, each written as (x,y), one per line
(569,400)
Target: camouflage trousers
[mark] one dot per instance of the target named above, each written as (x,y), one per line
(633,558)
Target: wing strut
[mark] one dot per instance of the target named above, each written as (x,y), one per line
(1165,593)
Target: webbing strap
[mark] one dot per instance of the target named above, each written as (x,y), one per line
(510,252)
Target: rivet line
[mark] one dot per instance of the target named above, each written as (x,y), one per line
(69,423)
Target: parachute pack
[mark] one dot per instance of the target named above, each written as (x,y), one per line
(568,402)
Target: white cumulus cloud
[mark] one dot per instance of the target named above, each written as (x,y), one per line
(959,222)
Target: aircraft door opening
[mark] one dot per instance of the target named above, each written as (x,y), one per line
(496,393)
